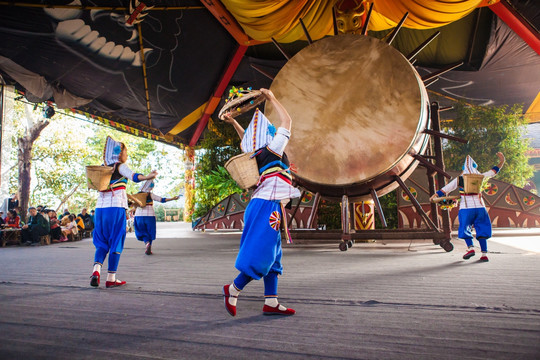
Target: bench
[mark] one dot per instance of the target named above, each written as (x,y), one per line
(45,239)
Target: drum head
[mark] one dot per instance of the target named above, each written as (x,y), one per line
(357,106)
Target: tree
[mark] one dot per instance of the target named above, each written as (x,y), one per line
(490,129)
(67,145)
(33,129)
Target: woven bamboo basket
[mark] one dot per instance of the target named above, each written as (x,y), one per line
(472,183)
(243,169)
(139,199)
(99,177)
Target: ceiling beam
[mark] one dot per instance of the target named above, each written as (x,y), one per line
(216,96)
(517,23)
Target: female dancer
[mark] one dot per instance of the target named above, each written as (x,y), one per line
(145,217)
(260,247)
(110,217)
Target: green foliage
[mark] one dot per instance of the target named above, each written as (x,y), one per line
(489,130)
(389,206)
(68,144)
(329,214)
(213,182)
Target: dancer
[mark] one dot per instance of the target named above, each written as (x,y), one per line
(472,210)
(145,217)
(260,247)
(110,217)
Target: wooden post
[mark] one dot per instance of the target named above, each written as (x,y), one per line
(345,223)
(439,161)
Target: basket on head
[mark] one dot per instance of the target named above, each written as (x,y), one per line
(243,169)
(472,183)
(99,177)
(241,101)
(139,199)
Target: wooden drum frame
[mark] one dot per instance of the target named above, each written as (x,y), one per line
(358,110)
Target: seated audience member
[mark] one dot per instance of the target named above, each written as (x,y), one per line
(64,220)
(56,231)
(80,223)
(70,228)
(2,224)
(66,212)
(87,220)
(12,219)
(13,202)
(45,213)
(37,226)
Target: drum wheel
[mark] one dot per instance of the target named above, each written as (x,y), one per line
(447,246)
(343,246)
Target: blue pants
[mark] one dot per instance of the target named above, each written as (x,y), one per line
(260,246)
(145,228)
(109,235)
(482,224)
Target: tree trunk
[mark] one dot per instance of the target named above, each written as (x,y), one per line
(25,164)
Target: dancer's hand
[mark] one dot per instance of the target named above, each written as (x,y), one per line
(228,118)
(268,94)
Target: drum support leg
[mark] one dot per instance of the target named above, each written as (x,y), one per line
(345,223)
(439,161)
(416,204)
(378,207)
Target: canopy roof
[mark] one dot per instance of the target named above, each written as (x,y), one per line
(85,55)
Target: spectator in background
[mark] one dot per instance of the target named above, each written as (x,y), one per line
(92,213)
(2,224)
(87,220)
(66,212)
(71,226)
(56,231)
(80,223)
(13,202)
(37,226)
(12,219)
(45,213)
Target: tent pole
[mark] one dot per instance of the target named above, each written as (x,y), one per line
(143,62)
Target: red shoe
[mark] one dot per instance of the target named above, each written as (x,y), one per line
(94,279)
(484,258)
(116,283)
(231,309)
(469,254)
(268,310)
(148,249)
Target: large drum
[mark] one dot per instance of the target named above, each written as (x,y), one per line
(358,109)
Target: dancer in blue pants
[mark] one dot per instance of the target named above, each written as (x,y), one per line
(110,217)
(145,217)
(472,211)
(260,247)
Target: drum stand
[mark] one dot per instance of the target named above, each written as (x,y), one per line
(441,235)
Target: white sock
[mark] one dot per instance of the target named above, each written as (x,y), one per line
(484,253)
(234,292)
(111,277)
(273,302)
(471,248)
(97,267)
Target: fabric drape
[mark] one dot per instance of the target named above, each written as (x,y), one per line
(279,19)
